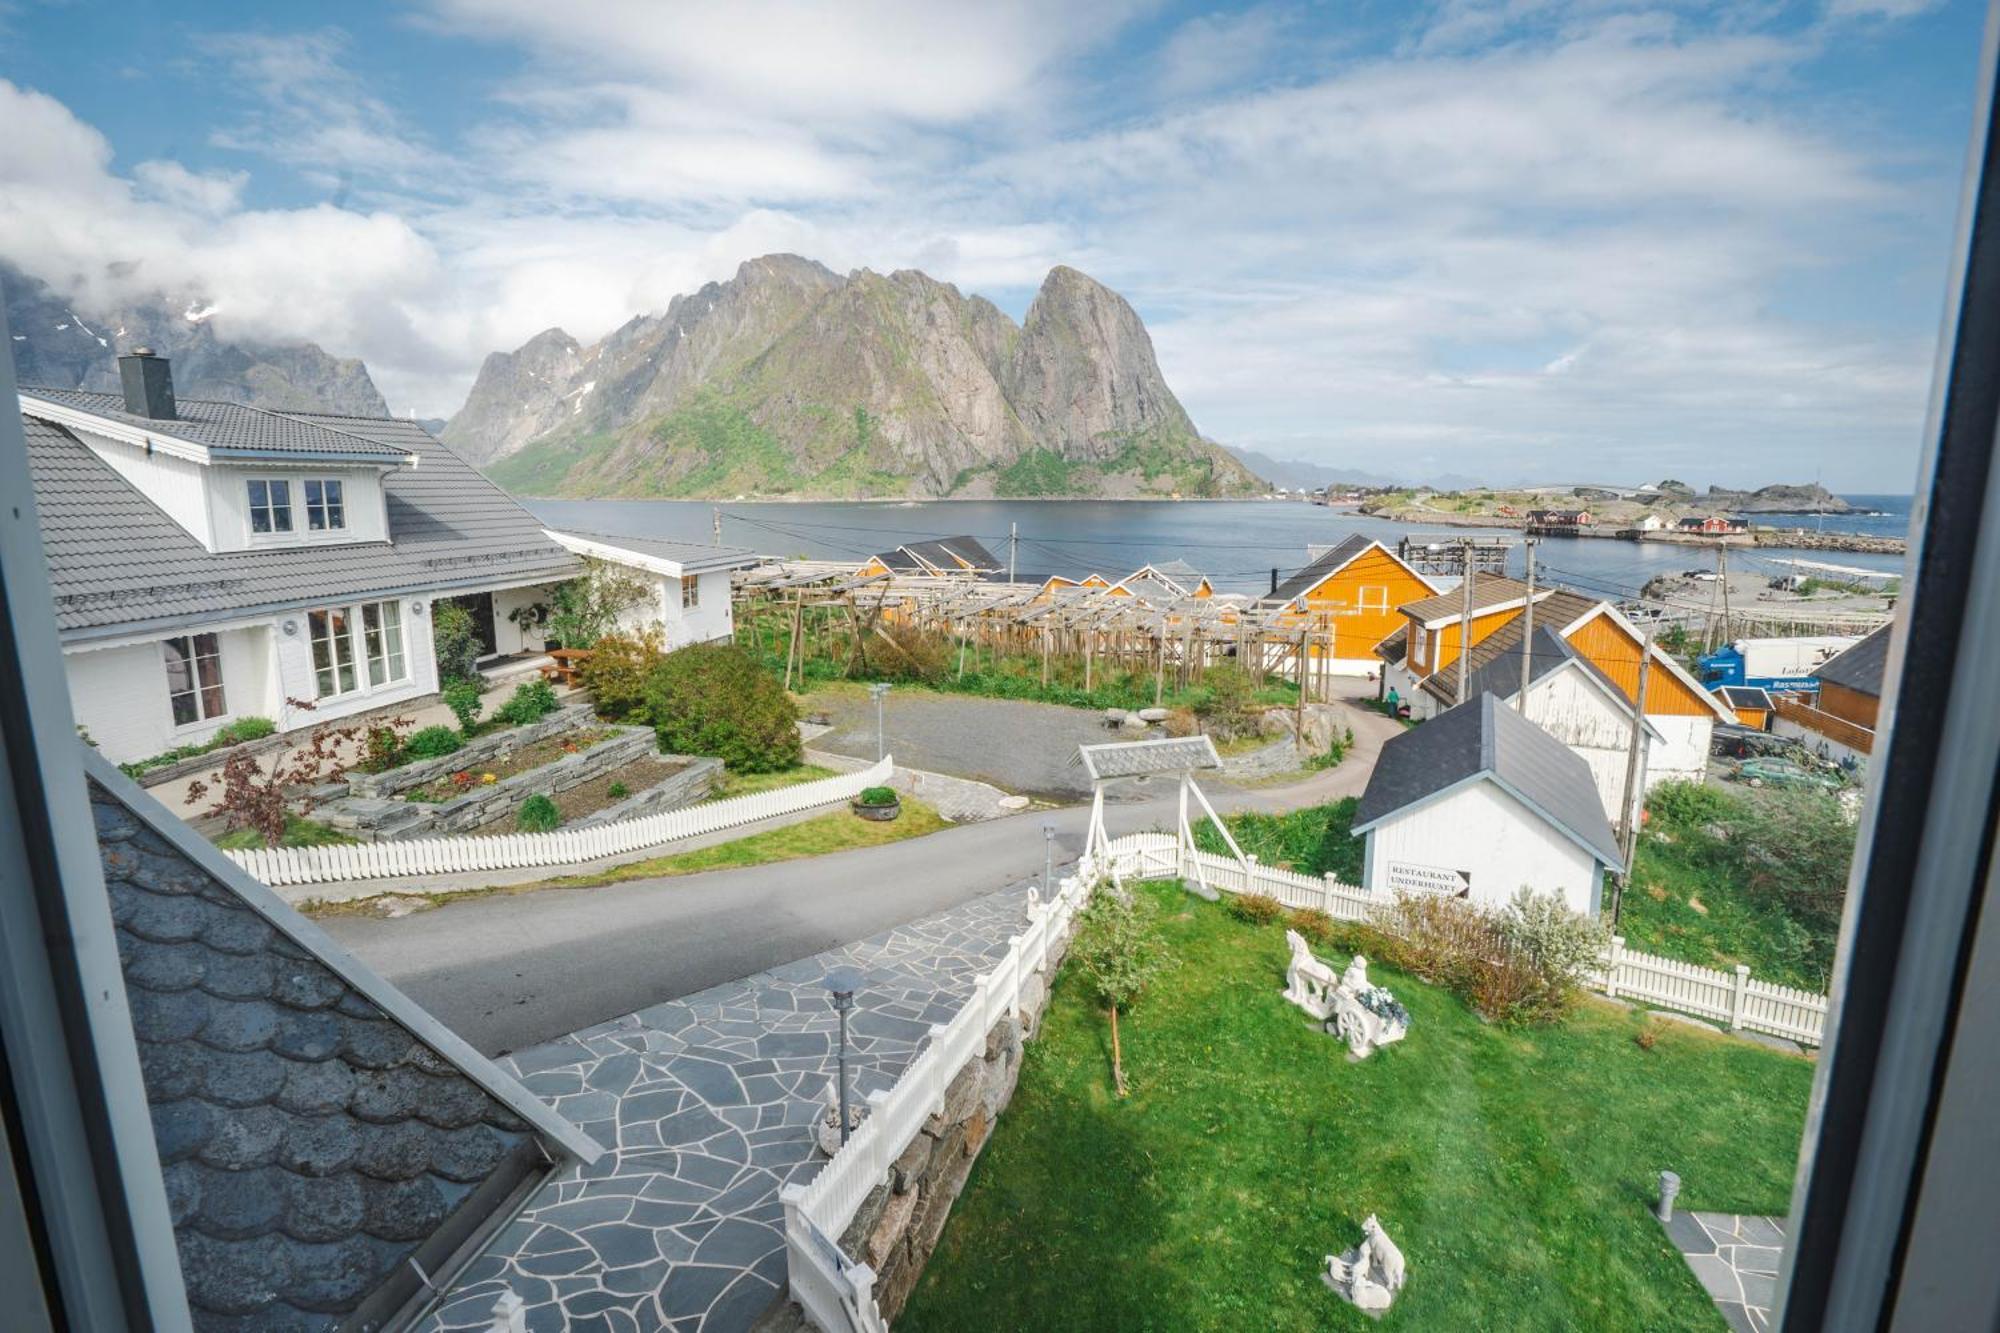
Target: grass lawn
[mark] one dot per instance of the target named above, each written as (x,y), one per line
(836,832)
(298,833)
(1680,905)
(1312,841)
(1514,1168)
(746,784)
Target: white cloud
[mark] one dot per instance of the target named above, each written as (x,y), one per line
(1215,50)
(1882,9)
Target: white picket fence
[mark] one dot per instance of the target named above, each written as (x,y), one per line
(508,851)
(837,1292)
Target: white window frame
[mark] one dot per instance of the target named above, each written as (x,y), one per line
(350,654)
(332,504)
(197,689)
(690,592)
(271,510)
(1380,601)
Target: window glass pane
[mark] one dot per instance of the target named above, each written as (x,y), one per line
(371,639)
(341,627)
(322,652)
(392,637)
(260,507)
(336,506)
(208,672)
(180,681)
(315,506)
(281,506)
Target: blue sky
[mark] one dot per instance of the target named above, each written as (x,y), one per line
(1515,240)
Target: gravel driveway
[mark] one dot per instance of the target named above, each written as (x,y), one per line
(1022,747)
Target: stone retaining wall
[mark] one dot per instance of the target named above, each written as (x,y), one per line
(899,1223)
(1280,756)
(421,772)
(693,783)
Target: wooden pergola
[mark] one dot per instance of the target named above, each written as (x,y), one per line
(1179,757)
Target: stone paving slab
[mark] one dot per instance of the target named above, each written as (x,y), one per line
(1736,1257)
(706,1104)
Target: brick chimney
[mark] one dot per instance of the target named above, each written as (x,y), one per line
(148,381)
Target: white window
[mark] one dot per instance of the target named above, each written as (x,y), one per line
(270,505)
(690,591)
(382,636)
(335,653)
(1375,598)
(194,678)
(326,508)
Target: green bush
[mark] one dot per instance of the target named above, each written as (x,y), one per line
(433,743)
(1689,805)
(617,791)
(1313,841)
(1259,909)
(878,796)
(1316,926)
(530,702)
(462,698)
(380,750)
(616,672)
(245,729)
(538,814)
(455,640)
(714,699)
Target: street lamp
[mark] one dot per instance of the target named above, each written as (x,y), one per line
(878,689)
(1048,859)
(843,981)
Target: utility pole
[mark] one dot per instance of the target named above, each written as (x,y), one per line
(1013,545)
(715,516)
(1527,634)
(1628,835)
(1465,620)
(1722,569)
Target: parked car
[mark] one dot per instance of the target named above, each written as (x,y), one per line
(1784,773)
(1732,740)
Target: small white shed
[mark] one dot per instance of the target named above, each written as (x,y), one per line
(1479,802)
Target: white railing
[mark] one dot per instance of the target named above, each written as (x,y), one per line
(837,1293)
(508,851)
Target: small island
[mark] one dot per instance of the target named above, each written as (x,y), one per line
(1666,511)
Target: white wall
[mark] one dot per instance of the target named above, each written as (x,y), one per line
(1682,753)
(1481,829)
(1574,710)
(509,636)
(176,485)
(229,505)
(119,694)
(710,620)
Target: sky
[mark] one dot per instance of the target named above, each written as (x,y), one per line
(1514,240)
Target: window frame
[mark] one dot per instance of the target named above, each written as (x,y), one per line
(351,654)
(690,592)
(197,688)
(271,532)
(332,504)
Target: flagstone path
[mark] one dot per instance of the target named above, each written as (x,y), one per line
(706,1105)
(1736,1257)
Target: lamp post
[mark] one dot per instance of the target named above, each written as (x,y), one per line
(1048,859)
(843,981)
(877,690)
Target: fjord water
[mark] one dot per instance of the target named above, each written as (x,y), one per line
(1237,543)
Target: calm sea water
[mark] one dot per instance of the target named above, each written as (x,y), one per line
(1236,543)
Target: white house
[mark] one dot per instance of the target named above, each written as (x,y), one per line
(1478,803)
(689,599)
(212,561)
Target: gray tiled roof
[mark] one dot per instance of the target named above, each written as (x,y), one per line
(1556,608)
(312,1144)
(1128,759)
(1861,667)
(689,555)
(117,563)
(233,428)
(1316,572)
(1483,737)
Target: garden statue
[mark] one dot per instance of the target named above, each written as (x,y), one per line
(1369,1275)
(1361,1014)
(826,1129)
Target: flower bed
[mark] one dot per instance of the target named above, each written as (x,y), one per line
(525,759)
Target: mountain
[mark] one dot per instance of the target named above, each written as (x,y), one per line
(58,346)
(1298,474)
(790,379)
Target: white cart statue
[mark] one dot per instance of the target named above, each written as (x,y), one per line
(1364,1016)
(1369,1275)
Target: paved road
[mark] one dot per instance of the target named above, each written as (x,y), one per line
(509,971)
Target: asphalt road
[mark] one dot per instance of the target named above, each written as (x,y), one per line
(508,971)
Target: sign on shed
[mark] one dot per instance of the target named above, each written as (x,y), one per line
(1409,877)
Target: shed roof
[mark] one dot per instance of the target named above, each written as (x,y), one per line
(1861,667)
(319,1133)
(118,564)
(1129,759)
(1482,739)
(1488,591)
(688,557)
(233,430)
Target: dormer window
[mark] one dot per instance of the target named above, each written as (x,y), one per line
(271,506)
(326,511)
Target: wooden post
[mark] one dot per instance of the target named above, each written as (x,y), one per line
(1045,658)
(1527,635)
(1634,793)
(1737,995)
(1611,966)
(1089,643)
(792,646)
(1465,621)
(1160,664)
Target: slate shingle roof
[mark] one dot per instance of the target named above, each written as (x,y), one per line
(1316,571)
(232,429)
(1484,737)
(1861,667)
(117,563)
(312,1144)
(1557,608)
(942,553)
(1126,759)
